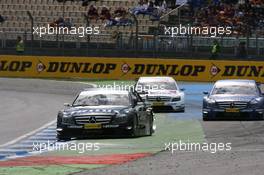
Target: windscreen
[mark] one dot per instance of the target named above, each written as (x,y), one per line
(102,99)
(232,89)
(155,85)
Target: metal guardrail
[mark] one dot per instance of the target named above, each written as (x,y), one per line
(160,43)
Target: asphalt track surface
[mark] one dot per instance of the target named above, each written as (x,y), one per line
(29,104)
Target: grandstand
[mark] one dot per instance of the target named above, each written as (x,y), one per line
(47,11)
(145,33)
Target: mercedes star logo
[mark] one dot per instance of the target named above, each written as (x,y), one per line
(92,120)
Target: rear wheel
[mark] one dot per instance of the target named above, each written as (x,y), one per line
(150,130)
(261,117)
(134,132)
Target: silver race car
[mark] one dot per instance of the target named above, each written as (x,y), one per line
(162,93)
(234,99)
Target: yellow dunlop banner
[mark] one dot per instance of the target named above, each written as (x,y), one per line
(128,68)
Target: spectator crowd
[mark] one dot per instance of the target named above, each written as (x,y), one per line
(244,16)
(153,8)
(119,17)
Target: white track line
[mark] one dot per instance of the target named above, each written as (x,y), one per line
(28,134)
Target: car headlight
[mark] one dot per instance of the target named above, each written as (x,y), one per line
(66,115)
(121,115)
(255,101)
(211,102)
(67,118)
(176,98)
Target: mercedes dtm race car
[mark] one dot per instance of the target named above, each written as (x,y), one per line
(236,99)
(162,93)
(101,112)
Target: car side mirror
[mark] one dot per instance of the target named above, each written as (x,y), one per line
(205,93)
(67,104)
(182,89)
(134,102)
(142,92)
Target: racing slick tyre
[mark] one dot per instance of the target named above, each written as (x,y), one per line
(150,129)
(206,118)
(134,132)
(261,117)
(63,137)
(182,110)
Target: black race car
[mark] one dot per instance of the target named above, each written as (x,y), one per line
(99,112)
(234,99)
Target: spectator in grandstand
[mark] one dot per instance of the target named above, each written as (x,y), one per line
(215,49)
(119,21)
(67,23)
(152,11)
(1,19)
(58,23)
(120,11)
(20,47)
(119,18)
(92,12)
(105,13)
(141,8)
(158,2)
(148,8)
(161,7)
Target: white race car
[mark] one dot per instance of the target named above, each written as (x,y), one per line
(162,93)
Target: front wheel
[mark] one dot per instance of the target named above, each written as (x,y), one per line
(63,137)
(182,110)
(206,118)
